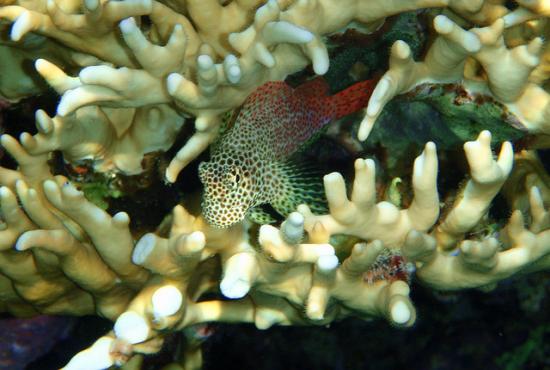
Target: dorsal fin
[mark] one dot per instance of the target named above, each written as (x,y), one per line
(316,87)
(230,118)
(267,95)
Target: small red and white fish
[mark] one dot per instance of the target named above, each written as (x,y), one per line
(251,164)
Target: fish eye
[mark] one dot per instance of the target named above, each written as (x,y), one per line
(233,178)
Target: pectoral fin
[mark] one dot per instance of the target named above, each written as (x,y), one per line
(301,184)
(261,216)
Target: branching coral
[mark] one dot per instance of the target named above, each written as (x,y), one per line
(193,82)
(275,286)
(62,266)
(216,70)
(506,71)
(271,283)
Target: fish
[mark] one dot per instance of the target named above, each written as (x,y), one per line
(251,163)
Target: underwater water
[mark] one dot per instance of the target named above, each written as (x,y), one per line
(506,327)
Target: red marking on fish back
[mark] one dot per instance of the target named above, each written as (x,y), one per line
(316,87)
(287,117)
(266,92)
(353,98)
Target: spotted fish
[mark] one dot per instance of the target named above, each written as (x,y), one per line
(251,164)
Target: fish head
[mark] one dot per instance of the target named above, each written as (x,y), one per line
(229,192)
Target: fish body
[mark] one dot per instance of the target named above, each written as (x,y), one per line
(249,165)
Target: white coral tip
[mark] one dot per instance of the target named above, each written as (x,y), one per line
(96,357)
(131,327)
(400,313)
(166,301)
(234,288)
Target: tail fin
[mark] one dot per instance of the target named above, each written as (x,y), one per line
(353,98)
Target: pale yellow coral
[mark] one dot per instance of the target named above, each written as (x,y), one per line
(70,256)
(487,177)
(528,172)
(481,263)
(506,71)
(362,217)
(266,284)
(296,266)
(179,59)
(268,291)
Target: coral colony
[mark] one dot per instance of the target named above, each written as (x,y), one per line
(139,77)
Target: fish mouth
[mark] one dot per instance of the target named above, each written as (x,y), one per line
(220,223)
(227,217)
